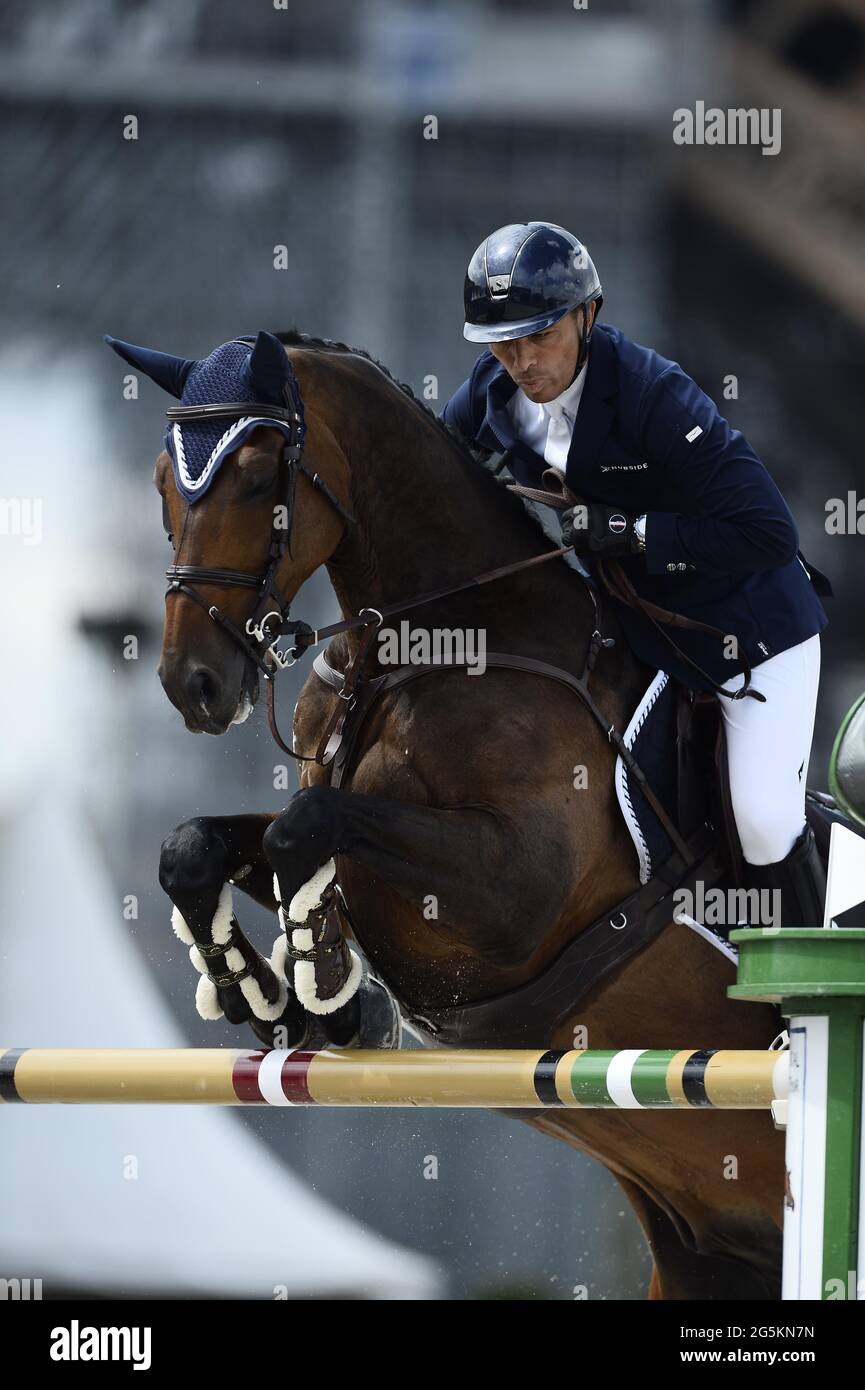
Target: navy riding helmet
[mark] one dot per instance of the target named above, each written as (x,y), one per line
(525,277)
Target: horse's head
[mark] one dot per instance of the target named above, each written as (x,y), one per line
(254,500)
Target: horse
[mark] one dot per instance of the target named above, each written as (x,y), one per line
(474,835)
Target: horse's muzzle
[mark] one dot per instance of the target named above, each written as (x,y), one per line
(209,699)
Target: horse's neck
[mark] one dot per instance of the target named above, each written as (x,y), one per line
(428,518)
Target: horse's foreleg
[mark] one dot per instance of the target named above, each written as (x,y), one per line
(198,863)
(416,850)
(327,974)
(422,849)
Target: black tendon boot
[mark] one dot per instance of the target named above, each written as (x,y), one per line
(801,879)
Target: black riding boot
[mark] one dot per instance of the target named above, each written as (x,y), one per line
(801,879)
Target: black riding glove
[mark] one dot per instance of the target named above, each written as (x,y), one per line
(593,528)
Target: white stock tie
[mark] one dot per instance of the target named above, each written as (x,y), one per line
(558,436)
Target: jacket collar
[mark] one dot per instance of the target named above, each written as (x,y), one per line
(596,411)
(593,420)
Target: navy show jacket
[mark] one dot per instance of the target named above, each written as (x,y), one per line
(721,544)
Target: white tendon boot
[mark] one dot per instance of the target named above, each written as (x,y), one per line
(225,932)
(331,972)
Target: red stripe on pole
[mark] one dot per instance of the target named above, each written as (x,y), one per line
(294,1078)
(244,1078)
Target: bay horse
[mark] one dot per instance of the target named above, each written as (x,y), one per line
(467,853)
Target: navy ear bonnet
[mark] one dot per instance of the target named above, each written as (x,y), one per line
(247,370)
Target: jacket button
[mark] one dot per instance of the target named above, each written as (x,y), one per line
(671,566)
(682,565)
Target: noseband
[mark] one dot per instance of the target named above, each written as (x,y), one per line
(269,619)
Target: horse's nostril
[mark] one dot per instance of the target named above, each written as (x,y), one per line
(202,687)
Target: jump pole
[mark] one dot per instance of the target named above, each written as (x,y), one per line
(486,1078)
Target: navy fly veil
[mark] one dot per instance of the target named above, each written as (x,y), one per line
(246,369)
(198,447)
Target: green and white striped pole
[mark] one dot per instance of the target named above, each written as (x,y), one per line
(817,975)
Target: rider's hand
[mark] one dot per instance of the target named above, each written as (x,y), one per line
(593,528)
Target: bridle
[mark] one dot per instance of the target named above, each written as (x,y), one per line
(269,620)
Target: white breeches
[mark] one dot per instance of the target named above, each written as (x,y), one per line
(768,747)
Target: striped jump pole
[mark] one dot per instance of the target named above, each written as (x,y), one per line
(817,975)
(485,1078)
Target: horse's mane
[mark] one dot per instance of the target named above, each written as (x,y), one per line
(476,457)
(294,338)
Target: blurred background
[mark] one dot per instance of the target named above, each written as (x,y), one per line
(378,142)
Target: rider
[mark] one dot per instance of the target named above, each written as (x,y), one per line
(681,500)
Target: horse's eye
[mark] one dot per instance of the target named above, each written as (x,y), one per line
(257,474)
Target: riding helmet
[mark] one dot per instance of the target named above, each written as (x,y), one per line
(525,277)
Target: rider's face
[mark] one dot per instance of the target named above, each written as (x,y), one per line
(544,363)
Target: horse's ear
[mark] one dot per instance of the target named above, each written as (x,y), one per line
(168,372)
(267,368)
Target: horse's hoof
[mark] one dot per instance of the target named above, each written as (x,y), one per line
(380,1021)
(380,1024)
(291,1030)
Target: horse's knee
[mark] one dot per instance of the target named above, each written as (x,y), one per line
(192,858)
(308,823)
